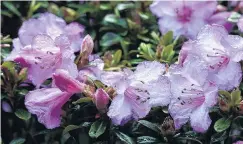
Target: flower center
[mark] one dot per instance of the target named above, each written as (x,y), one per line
(184,14)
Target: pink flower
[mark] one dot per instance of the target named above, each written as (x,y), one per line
(186,17)
(44,56)
(101,99)
(46,103)
(136,93)
(220,52)
(52,26)
(239,142)
(192,95)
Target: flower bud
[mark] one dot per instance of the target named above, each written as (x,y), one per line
(224,105)
(240,107)
(6,107)
(168,128)
(87,44)
(101,99)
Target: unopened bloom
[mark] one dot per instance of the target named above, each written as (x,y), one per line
(44,56)
(137,91)
(186,17)
(101,99)
(50,25)
(220,52)
(192,95)
(46,103)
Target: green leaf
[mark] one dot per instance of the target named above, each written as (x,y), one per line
(105,6)
(113,19)
(124,6)
(110,39)
(17,141)
(117,57)
(222,124)
(150,125)
(97,129)
(234,17)
(69,128)
(235,97)
(225,94)
(12,8)
(218,137)
(168,53)
(10,66)
(99,84)
(82,100)
(167,38)
(22,114)
(125,138)
(146,140)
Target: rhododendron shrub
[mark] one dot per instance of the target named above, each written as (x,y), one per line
(122,72)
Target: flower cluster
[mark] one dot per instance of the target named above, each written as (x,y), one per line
(187,18)
(189,88)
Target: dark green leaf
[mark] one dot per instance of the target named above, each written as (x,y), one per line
(146,140)
(22,114)
(12,8)
(17,141)
(218,137)
(69,128)
(150,125)
(123,6)
(125,138)
(113,19)
(110,39)
(222,124)
(97,129)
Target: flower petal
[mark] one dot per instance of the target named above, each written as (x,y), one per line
(46,103)
(120,110)
(67,83)
(200,120)
(148,71)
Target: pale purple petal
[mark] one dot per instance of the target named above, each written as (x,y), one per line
(240,23)
(120,110)
(67,83)
(17,46)
(228,77)
(159,92)
(221,19)
(234,44)
(148,71)
(118,80)
(46,103)
(74,31)
(101,99)
(200,120)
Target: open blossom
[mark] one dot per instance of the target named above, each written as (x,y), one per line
(192,95)
(44,56)
(186,17)
(46,103)
(137,91)
(52,26)
(220,52)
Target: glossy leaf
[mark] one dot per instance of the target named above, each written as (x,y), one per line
(69,128)
(97,129)
(17,141)
(150,125)
(125,138)
(222,124)
(22,114)
(110,39)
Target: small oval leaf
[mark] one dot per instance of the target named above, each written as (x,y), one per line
(97,129)
(222,124)
(22,114)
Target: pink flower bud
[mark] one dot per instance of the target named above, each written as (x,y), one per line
(87,45)
(101,99)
